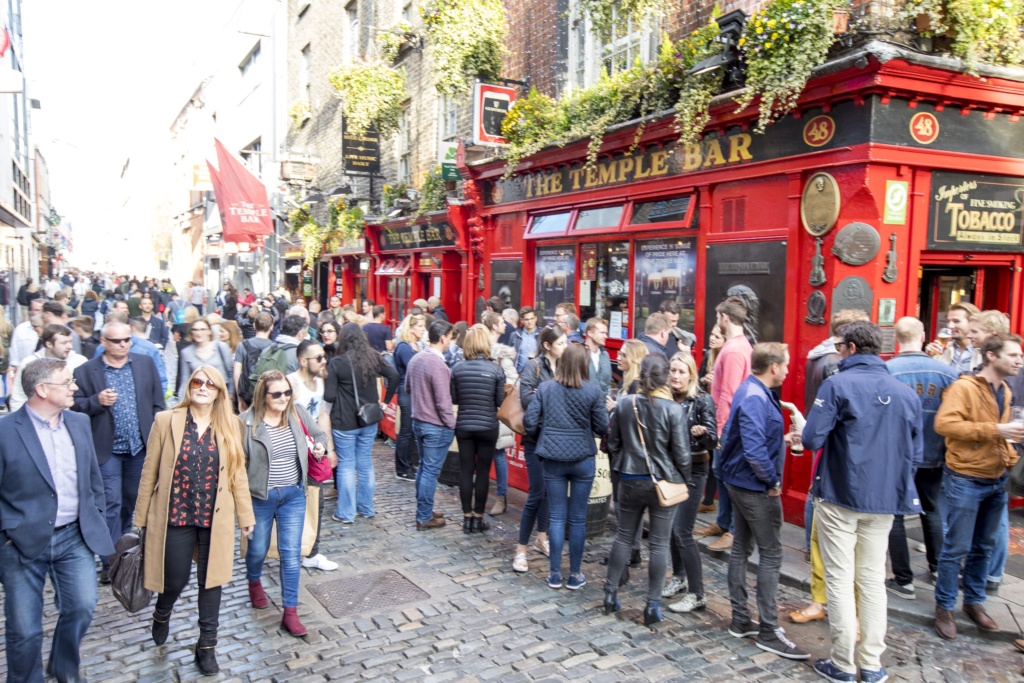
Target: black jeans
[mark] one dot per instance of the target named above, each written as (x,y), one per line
(711,487)
(685,553)
(536,508)
(476,451)
(635,496)
(178,550)
(405,441)
(639,537)
(929,490)
(315,550)
(758,519)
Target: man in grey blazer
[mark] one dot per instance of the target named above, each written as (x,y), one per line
(51,522)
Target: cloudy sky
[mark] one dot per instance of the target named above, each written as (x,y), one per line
(110,77)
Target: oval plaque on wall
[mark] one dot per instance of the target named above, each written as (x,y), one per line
(819,205)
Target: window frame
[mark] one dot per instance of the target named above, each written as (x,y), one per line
(587,49)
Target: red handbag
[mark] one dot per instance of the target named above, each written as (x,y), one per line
(319,469)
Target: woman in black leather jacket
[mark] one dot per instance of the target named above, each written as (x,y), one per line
(478,388)
(665,444)
(699,410)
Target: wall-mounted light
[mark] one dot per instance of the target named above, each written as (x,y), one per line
(731,28)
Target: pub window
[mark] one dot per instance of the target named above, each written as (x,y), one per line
(554,279)
(664,269)
(604,217)
(550,224)
(591,54)
(604,285)
(660,211)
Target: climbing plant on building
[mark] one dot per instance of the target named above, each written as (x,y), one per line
(394,39)
(465,39)
(371,94)
(299,113)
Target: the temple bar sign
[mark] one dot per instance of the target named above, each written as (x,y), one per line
(976,212)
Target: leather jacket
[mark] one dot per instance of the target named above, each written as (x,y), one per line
(700,411)
(665,434)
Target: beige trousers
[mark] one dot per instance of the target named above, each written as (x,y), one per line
(853,546)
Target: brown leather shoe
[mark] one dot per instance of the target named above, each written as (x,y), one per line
(722,544)
(707,508)
(434,523)
(710,530)
(437,514)
(813,612)
(979,616)
(945,623)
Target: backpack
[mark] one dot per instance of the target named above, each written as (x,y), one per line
(274,357)
(250,355)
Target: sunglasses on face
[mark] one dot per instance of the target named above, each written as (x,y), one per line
(279,394)
(125,340)
(840,345)
(208,383)
(320,359)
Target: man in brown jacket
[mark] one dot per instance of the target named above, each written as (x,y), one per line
(975,419)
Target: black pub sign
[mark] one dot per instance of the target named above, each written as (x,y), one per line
(360,153)
(412,237)
(971,212)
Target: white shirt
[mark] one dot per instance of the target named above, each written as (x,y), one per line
(51,288)
(18,397)
(310,399)
(23,342)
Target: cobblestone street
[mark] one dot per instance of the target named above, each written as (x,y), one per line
(475,619)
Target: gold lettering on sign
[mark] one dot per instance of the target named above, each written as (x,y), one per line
(978,221)
(713,154)
(625,168)
(739,147)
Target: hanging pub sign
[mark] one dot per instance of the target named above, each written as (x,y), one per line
(976,213)
(426,236)
(554,279)
(490,104)
(360,153)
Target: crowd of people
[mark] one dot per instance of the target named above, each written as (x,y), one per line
(192,418)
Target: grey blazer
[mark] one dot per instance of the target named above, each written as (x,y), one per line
(257,447)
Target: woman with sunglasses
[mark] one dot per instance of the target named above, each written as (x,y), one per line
(276,449)
(205,350)
(354,373)
(192,488)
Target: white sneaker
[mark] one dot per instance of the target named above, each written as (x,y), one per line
(318,561)
(543,546)
(690,603)
(673,586)
(519,563)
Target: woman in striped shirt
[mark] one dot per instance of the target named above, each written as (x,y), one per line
(274,439)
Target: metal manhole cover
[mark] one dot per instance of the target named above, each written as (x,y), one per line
(372,591)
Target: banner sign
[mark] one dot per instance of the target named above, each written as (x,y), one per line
(490,104)
(360,153)
(241,199)
(446,158)
(976,212)
(425,236)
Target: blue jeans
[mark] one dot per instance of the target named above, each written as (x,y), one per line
(72,569)
(568,492)
(808,519)
(536,508)
(500,473)
(355,459)
(287,506)
(1002,549)
(724,519)
(973,514)
(433,442)
(121,475)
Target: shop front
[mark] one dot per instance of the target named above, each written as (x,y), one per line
(348,275)
(879,192)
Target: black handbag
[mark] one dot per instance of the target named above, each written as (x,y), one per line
(367,413)
(127,576)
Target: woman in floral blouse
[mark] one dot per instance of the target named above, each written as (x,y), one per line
(193,483)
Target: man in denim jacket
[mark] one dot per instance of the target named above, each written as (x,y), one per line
(929,379)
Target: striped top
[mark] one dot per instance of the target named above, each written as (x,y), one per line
(284,457)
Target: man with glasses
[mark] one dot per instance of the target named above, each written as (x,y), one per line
(139,344)
(56,341)
(121,393)
(51,523)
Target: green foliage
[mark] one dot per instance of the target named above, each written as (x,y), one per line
(371,94)
(466,40)
(390,194)
(433,192)
(394,39)
(933,9)
(600,11)
(986,30)
(343,223)
(300,113)
(782,44)
(695,92)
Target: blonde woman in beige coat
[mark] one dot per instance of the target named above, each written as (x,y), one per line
(193,486)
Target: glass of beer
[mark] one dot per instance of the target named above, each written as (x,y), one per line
(796,444)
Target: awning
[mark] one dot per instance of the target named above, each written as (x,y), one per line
(393,267)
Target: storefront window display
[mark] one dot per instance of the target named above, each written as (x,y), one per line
(665,271)
(604,285)
(554,278)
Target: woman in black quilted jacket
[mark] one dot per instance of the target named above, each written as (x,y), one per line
(565,416)
(478,388)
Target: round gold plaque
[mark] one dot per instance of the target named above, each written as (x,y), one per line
(819,205)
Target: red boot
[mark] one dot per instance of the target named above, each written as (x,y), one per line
(290,622)
(256,595)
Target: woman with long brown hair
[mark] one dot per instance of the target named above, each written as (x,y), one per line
(193,486)
(274,439)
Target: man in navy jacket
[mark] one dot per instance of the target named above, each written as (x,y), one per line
(868,424)
(51,522)
(752,449)
(120,392)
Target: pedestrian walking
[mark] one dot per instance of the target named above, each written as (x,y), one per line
(205,350)
(564,416)
(412,332)
(478,388)
(699,412)
(551,345)
(505,356)
(647,440)
(352,384)
(275,444)
(192,489)
(707,375)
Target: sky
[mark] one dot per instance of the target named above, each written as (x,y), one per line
(110,77)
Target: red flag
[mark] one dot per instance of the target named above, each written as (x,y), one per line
(241,199)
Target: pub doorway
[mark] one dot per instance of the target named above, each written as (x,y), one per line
(987,287)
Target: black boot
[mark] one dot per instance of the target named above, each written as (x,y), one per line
(206,656)
(480,525)
(634,558)
(652,613)
(611,602)
(467,524)
(161,625)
